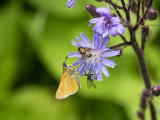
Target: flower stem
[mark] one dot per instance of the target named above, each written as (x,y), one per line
(141,60)
(138,10)
(143,68)
(153,113)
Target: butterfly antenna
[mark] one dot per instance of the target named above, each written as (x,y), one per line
(66,58)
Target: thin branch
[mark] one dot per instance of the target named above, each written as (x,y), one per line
(143,42)
(143,38)
(125,10)
(144,16)
(115,7)
(143,10)
(120,45)
(138,10)
(129,7)
(123,38)
(153,112)
(118,13)
(113,4)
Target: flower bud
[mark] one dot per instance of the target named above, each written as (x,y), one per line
(92,10)
(133,5)
(143,103)
(156,90)
(145,30)
(152,14)
(146,93)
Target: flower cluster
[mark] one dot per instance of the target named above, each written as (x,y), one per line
(93,57)
(106,24)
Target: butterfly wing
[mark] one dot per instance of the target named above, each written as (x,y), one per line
(69,85)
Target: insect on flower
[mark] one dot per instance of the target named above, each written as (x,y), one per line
(90,79)
(93,57)
(69,83)
(84,52)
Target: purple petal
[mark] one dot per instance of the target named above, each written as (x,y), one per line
(98,72)
(92,72)
(80,60)
(81,42)
(106,49)
(114,20)
(99,76)
(111,53)
(100,41)
(95,20)
(120,28)
(113,31)
(86,40)
(76,44)
(92,69)
(103,11)
(105,71)
(85,68)
(71,3)
(105,34)
(105,42)
(77,54)
(100,28)
(95,41)
(81,66)
(108,62)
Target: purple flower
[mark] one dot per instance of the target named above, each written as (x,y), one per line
(71,3)
(94,60)
(106,24)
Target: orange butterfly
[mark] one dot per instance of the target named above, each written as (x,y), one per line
(69,83)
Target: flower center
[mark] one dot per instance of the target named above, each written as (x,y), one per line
(108,22)
(92,55)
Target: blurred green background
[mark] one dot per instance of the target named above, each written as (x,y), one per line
(34,35)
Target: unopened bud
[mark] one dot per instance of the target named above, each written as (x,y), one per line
(133,5)
(145,30)
(156,90)
(92,10)
(152,14)
(143,103)
(146,93)
(140,115)
(113,15)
